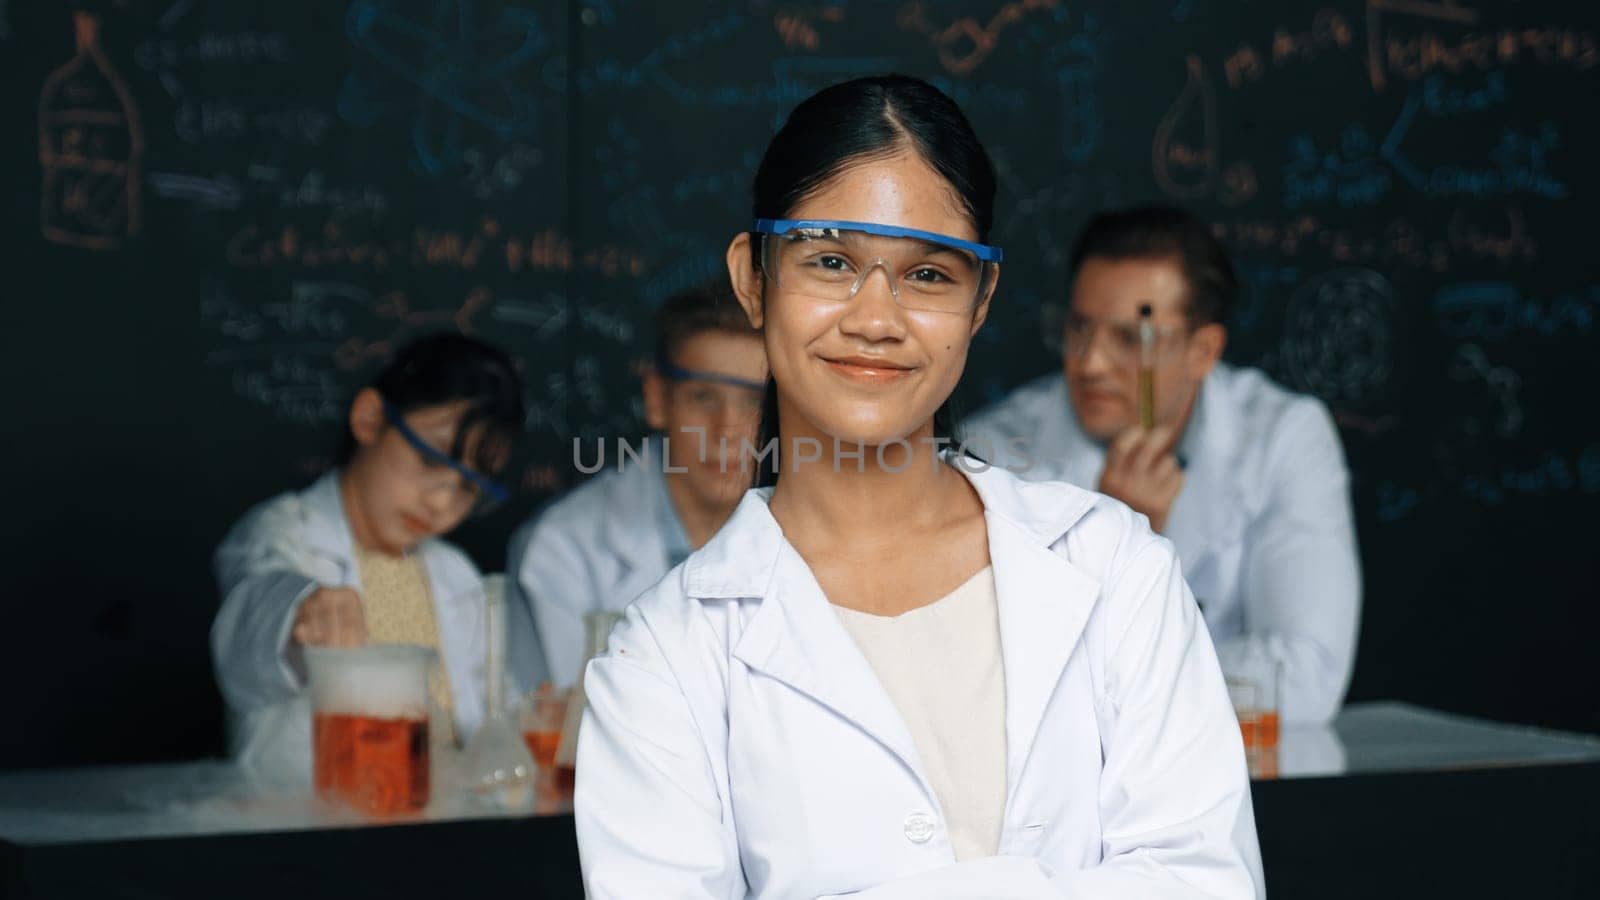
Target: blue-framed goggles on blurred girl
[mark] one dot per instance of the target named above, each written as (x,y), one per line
(484,493)
(671,371)
(826,259)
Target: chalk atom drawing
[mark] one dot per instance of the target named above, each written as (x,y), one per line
(1339,338)
(461,70)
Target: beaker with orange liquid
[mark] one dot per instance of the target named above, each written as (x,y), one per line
(369,727)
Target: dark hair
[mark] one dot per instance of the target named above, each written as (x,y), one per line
(853,122)
(447,368)
(684,315)
(1162,232)
(870,118)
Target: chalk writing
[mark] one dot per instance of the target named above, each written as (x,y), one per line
(1440,100)
(1379,10)
(964,45)
(312,191)
(547,317)
(214,119)
(1329,32)
(243,47)
(1045,219)
(220,192)
(798,28)
(1498,310)
(1429,52)
(296,387)
(1476,240)
(1396,502)
(1518,162)
(1349,176)
(1551,474)
(488,174)
(1398,240)
(547,406)
(485,245)
(652,69)
(1078,61)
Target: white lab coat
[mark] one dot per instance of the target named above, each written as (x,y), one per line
(738,744)
(1263,525)
(594,549)
(275,557)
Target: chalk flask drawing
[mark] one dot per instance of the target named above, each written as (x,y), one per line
(90,145)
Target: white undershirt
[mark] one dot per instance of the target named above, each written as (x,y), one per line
(941,665)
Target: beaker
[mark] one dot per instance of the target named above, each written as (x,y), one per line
(369,726)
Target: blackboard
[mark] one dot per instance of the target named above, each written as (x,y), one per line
(284,191)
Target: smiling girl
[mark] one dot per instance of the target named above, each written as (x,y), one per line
(897,673)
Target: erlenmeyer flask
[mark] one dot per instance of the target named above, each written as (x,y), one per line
(597,627)
(496,761)
(90,144)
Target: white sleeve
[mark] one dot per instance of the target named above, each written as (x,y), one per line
(526,666)
(554,582)
(1175,812)
(1301,582)
(651,821)
(262,586)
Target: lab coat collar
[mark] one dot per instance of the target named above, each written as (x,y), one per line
(740,560)
(796,637)
(327,527)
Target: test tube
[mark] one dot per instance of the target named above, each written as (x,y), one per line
(1147,369)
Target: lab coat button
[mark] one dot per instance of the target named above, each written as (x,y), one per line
(919,827)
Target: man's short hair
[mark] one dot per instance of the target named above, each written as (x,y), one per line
(687,314)
(1163,232)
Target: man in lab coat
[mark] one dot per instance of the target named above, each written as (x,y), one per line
(605,542)
(1246,478)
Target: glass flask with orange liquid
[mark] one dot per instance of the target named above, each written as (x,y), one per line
(542,715)
(369,727)
(597,627)
(1253,687)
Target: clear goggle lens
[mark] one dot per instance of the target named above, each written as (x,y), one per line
(832,261)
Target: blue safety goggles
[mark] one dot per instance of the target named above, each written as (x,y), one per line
(831,259)
(984,252)
(486,493)
(671,371)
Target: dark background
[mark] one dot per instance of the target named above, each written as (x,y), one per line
(1404,187)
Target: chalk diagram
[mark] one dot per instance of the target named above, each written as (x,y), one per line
(90,146)
(1339,337)
(1184,154)
(453,71)
(1502,389)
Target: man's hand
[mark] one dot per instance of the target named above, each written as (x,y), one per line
(1142,471)
(330,617)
